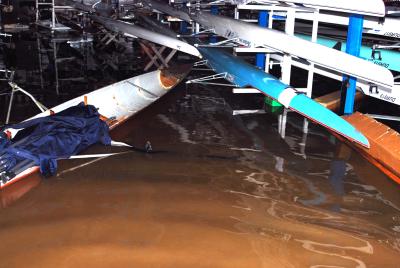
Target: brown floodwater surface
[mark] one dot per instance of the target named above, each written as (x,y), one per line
(218,191)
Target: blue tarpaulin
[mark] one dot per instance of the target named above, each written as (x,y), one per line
(46,139)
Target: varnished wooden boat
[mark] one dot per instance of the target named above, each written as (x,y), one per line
(384,151)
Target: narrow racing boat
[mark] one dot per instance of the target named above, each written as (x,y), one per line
(155,37)
(242,74)
(114,103)
(255,36)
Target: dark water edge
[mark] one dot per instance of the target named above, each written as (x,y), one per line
(219,191)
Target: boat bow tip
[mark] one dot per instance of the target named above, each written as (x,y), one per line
(173,75)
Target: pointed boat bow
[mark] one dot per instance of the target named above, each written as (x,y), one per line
(243,74)
(173,75)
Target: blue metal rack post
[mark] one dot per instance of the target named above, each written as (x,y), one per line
(214,11)
(354,38)
(263,22)
(183,27)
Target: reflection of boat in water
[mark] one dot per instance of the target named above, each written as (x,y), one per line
(371,175)
(115,104)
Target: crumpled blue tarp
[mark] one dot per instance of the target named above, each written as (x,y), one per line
(44,140)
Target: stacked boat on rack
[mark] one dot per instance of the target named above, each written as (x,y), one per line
(372,72)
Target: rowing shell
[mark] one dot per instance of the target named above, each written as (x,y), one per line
(136,31)
(118,101)
(363,7)
(388,27)
(243,74)
(256,36)
(389,59)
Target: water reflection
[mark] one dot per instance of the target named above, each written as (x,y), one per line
(226,192)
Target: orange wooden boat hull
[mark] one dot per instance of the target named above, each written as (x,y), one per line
(384,151)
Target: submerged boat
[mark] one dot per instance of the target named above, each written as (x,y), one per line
(114,103)
(384,152)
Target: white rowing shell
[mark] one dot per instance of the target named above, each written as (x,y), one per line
(363,7)
(255,36)
(133,30)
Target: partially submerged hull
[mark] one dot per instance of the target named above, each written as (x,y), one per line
(116,103)
(384,152)
(243,74)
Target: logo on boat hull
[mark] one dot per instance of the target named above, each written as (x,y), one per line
(380,63)
(387,98)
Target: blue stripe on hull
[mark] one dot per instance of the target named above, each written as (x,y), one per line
(243,74)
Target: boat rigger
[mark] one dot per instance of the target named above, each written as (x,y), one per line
(243,74)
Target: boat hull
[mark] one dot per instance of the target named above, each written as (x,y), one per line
(243,74)
(116,103)
(256,36)
(384,152)
(389,59)
(158,38)
(387,27)
(363,7)
(165,8)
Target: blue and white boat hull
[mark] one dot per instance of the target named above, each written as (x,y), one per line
(243,74)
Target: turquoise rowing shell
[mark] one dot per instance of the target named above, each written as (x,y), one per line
(389,59)
(243,74)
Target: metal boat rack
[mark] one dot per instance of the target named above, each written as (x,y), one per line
(270,57)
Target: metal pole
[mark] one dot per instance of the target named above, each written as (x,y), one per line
(37,11)
(310,78)
(287,59)
(183,27)
(214,11)
(263,22)
(354,38)
(314,37)
(40,60)
(10,105)
(53,16)
(56,67)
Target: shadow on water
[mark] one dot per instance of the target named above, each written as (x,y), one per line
(225,192)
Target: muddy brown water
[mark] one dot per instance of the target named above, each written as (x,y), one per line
(218,191)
